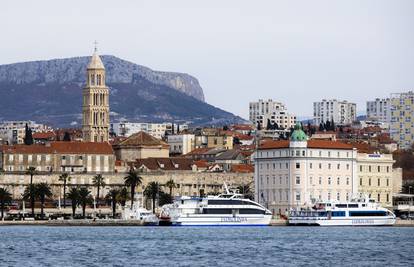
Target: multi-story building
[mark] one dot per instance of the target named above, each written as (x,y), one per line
(95,108)
(157,130)
(342,112)
(13,132)
(72,157)
(379,110)
(262,112)
(377,178)
(291,173)
(402,119)
(181,143)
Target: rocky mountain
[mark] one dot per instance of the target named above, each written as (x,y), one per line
(51,92)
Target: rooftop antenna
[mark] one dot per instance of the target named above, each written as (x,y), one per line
(96,46)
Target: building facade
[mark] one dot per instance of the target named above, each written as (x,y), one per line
(181,143)
(376,177)
(379,110)
(157,130)
(13,132)
(262,112)
(402,119)
(95,109)
(297,172)
(342,112)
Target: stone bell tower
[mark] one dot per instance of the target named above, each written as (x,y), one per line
(95,108)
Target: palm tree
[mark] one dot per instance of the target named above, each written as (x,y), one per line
(170,184)
(32,172)
(132,180)
(29,194)
(84,199)
(98,181)
(151,191)
(42,191)
(64,177)
(123,196)
(245,190)
(5,197)
(112,196)
(73,195)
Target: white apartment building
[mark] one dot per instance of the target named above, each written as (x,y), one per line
(379,110)
(156,130)
(181,144)
(13,132)
(402,119)
(342,112)
(293,173)
(276,112)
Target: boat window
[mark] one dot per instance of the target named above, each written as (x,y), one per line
(341,205)
(338,213)
(251,211)
(367,213)
(217,211)
(352,205)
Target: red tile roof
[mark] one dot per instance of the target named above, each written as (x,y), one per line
(242,168)
(201,163)
(142,139)
(44,135)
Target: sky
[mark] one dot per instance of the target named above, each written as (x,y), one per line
(296,52)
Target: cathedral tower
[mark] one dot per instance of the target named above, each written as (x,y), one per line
(95,108)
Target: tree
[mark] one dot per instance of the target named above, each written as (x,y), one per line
(98,181)
(236,141)
(328,125)
(164,198)
(84,199)
(259,127)
(28,136)
(112,197)
(73,195)
(321,127)
(225,128)
(269,125)
(123,196)
(29,194)
(332,124)
(275,126)
(66,137)
(5,197)
(32,172)
(132,180)
(43,191)
(152,191)
(245,190)
(64,177)
(170,184)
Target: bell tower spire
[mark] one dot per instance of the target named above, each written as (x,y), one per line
(95,108)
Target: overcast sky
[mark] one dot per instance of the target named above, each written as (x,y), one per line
(296,52)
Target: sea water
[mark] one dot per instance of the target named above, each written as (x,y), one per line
(206,246)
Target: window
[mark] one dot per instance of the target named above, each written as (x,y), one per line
(320,153)
(379,197)
(347,196)
(63,157)
(329,166)
(320,165)
(338,181)
(329,195)
(338,196)
(280,180)
(310,165)
(338,166)
(347,180)
(329,154)
(287,165)
(369,182)
(347,166)
(388,197)
(303,153)
(297,165)
(379,182)
(388,169)
(388,182)
(329,180)
(310,180)
(297,179)
(360,168)
(297,153)
(267,179)
(297,196)
(320,180)
(369,168)
(379,168)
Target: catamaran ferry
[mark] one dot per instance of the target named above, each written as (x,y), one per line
(362,211)
(222,210)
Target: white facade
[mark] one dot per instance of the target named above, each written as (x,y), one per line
(293,175)
(181,144)
(379,110)
(342,112)
(276,112)
(13,132)
(402,119)
(157,130)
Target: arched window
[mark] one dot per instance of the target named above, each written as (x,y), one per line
(99,79)
(92,79)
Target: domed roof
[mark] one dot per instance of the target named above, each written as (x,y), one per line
(298,134)
(96,62)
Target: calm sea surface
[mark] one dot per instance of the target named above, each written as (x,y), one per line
(205,246)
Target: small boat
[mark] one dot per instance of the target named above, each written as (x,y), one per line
(228,209)
(361,211)
(140,213)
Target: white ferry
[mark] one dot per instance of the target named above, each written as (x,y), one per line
(361,211)
(229,209)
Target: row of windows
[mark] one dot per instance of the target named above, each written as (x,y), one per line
(329,180)
(298,165)
(387,183)
(371,168)
(302,153)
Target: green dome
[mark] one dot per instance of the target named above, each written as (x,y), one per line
(298,134)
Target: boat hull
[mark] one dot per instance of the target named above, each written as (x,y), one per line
(222,221)
(343,222)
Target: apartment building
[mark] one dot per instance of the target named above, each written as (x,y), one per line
(342,112)
(402,119)
(13,132)
(263,111)
(181,144)
(157,130)
(379,110)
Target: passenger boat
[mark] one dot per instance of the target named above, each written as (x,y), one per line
(357,212)
(139,213)
(228,209)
